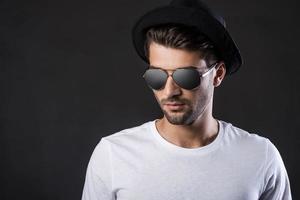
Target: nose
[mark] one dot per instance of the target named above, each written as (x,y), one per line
(171,88)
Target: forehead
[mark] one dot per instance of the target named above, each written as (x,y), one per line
(170,58)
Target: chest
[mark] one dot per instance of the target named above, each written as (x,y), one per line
(187,178)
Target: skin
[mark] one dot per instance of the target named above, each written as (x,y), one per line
(193,125)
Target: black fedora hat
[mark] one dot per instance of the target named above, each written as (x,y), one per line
(192,13)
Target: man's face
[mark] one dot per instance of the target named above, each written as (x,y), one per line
(194,102)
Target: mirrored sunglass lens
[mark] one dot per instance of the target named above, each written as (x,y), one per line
(187,78)
(155,78)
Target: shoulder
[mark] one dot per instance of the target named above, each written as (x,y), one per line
(234,134)
(122,139)
(129,135)
(264,155)
(249,144)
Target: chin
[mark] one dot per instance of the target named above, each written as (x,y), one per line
(179,118)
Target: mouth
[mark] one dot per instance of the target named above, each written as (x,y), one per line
(174,106)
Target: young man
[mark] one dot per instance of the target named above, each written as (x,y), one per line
(187,154)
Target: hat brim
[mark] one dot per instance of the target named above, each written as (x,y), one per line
(206,24)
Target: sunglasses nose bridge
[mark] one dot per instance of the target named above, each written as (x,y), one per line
(171,88)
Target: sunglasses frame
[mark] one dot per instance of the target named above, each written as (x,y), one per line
(189,67)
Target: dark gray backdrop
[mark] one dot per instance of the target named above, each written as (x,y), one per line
(69,75)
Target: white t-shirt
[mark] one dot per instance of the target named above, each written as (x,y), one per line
(139,164)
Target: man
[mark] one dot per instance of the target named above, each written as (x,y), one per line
(187,154)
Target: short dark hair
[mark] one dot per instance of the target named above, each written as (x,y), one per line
(184,37)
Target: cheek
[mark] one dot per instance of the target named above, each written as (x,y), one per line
(199,96)
(191,97)
(157,96)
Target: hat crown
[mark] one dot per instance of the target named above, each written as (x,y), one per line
(190,13)
(196,4)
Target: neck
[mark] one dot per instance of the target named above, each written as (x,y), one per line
(200,133)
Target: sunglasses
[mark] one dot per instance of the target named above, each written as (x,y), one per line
(187,78)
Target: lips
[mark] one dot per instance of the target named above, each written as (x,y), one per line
(175,105)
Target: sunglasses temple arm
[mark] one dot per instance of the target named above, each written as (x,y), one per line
(209,70)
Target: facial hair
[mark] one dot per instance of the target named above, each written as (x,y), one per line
(178,117)
(190,113)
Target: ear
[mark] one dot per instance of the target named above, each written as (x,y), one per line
(220,74)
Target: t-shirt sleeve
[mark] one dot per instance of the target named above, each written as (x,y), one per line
(98,180)
(276,185)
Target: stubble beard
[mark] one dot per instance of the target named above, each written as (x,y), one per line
(188,115)
(178,117)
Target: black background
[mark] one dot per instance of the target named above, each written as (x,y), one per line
(70,75)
